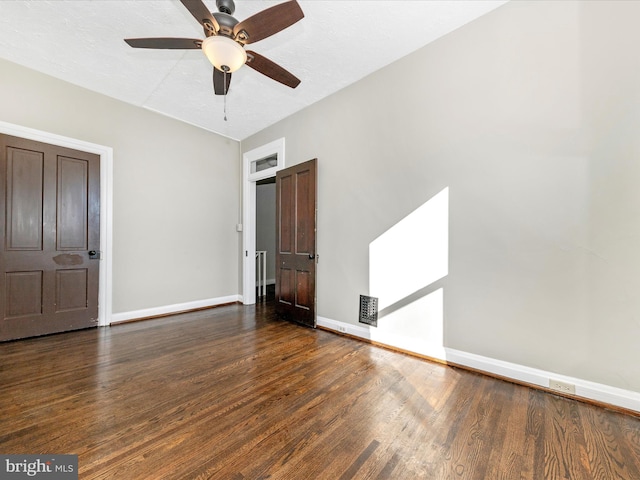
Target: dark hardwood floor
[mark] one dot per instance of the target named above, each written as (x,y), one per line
(233,393)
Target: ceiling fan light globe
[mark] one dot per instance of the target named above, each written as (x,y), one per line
(223,53)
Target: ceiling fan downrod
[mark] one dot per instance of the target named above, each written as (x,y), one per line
(226,6)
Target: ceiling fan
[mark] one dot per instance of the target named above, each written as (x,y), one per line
(225,39)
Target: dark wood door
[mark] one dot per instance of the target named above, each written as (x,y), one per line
(49,220)
(296,243)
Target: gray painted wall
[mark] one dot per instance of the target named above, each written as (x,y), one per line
(527,119)
(175,189)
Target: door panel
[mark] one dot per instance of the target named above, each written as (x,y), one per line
(23,294)
(304,289)
(25,195)
(71,290)
(296,243)
(49,220)
(284,224)
(305,214)
(73,177)
(287,292)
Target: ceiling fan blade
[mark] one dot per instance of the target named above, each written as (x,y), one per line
(272,70)
(267,22)
(202,14)
(221,82)
(165,43)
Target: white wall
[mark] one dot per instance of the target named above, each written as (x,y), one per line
(528,119)
(175,198)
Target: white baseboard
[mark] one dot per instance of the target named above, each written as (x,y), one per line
(176,308)
(586,389)
(342,327)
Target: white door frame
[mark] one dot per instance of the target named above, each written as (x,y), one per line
(249,211)
(105,296)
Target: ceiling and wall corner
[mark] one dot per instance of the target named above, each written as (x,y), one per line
(335,45)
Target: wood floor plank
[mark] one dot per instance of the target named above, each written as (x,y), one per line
(601,435)
(506,462)
(235,393)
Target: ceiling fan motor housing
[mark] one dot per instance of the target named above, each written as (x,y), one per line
(226,23)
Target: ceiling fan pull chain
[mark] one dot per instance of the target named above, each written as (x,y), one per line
(225,95)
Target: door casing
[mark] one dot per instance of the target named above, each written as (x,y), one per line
(105,295)
(249,211)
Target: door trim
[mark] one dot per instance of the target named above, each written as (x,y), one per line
(249,211)
(105,293)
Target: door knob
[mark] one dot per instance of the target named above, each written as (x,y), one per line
(311,256)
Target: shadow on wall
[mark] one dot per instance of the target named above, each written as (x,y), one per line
(404,263)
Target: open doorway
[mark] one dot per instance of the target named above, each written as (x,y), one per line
(265,239)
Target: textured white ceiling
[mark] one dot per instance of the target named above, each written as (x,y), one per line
(336,44)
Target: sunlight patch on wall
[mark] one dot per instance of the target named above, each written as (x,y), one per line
(415,327)
(403,263)
(412,254)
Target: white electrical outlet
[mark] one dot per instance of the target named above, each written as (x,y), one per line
(342,329)
(562,386)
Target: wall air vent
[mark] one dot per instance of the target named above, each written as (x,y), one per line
(369,310)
